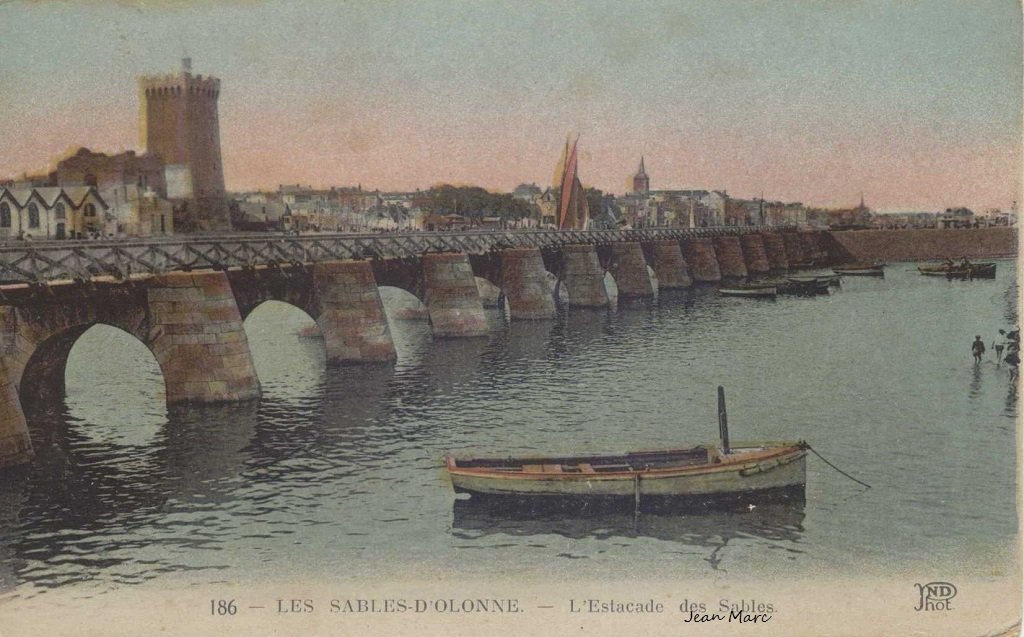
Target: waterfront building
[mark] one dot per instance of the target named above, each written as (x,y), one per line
(53,212)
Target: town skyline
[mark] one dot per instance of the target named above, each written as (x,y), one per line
(926,123)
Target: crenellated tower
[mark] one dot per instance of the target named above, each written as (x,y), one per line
(178,121)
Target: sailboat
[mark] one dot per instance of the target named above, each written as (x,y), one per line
(573,211)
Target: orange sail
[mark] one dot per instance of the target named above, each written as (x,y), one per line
(573,212)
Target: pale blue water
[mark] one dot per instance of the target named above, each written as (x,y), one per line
(337,473)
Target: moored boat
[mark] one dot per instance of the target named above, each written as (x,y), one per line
(810,287)
(751,290)
(833,280)
(860,269)
(960,271)
(709,472)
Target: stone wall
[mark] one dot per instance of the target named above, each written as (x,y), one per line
(775,249)
(669,265)
(913,245)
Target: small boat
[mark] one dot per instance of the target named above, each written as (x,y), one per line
(705,473)
(810,287)
(751,290)
(860,269)
(833,280)
(959,271)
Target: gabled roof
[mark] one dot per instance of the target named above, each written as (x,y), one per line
(19,196)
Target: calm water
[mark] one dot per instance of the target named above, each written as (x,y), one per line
(337,472)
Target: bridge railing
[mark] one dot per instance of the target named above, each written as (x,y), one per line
(121,258)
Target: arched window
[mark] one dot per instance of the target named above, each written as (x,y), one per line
(5,216)
(90,210)
(33,215)
(59,211)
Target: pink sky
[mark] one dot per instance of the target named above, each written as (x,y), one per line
(917,106)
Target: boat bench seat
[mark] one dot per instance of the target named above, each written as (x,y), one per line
(586,467)
(542,468)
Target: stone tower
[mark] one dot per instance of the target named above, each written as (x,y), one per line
(178,121)
(641,182)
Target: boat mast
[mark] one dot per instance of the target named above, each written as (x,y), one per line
(723,421)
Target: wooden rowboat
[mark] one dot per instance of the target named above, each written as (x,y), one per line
(833,280)
(705,472)
(701,471)
(971,271)
(860,269)
(748,290)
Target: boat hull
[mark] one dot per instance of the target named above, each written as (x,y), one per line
(759,293)
(782,471)
(977,271)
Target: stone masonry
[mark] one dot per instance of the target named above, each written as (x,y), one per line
(452,299)
(669,265)
(629,268)
(775,249)
(754,255)
(700,255)
(524,282)
(350,314)
(730,257)
(196,334)
(583,276)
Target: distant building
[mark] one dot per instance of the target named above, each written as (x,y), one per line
(641,182)
(527,192)
(956,218)
(54,213)
(89,168)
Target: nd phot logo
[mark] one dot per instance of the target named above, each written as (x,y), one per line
(935,596)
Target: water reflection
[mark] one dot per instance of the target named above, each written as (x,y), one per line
(779,523)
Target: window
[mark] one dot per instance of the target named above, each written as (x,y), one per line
(59,212)
(5,216)
(33,215)
(90,210)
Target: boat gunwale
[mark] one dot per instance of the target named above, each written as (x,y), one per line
(766,451)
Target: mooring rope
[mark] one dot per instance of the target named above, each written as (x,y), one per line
(815,451)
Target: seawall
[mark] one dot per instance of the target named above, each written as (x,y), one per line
(912,245)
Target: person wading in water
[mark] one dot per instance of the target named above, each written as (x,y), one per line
(978,348)
(998,344)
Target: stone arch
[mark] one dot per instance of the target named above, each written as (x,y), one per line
(41,383)
(306,311)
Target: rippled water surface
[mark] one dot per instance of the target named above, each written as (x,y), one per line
(337,472)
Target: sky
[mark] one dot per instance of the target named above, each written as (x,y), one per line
(915,104)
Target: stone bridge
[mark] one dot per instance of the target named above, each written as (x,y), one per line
(186,299)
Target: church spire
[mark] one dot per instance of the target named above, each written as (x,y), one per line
(641,182)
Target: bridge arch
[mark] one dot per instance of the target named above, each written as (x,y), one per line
(401,304)
(43,380)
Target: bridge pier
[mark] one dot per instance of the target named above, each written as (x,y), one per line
(754,255)
(15,444)
(669,265)
(775,250)
(730,257)
(452,299)
(525,284)
(196,334)
(350,314)
(812,248)
(583,276)
(795,252)
(629,268)
(700,255)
